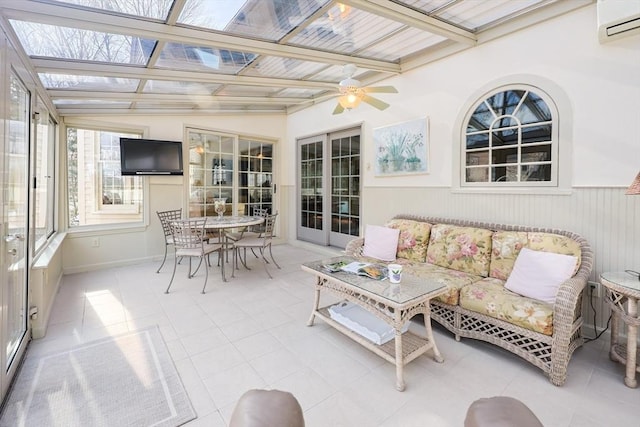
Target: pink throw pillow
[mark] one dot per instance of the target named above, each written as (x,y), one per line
(380,242)
(538,274)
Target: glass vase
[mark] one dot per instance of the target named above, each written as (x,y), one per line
(219,205)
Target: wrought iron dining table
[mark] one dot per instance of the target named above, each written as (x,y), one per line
(221,223)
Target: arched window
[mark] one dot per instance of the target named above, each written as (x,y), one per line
(511,140)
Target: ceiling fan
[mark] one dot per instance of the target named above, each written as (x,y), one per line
(352,93)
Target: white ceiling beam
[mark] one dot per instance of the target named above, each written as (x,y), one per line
(171,97)
(55,66)
(44,13)
(413,18)
(88,111)
(176,10)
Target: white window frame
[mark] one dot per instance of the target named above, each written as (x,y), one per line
(562,119)
(142,132)
(123,208)
(46,181)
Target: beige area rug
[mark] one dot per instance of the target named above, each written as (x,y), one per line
(129,380)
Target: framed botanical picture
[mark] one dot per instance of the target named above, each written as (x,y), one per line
(402,149)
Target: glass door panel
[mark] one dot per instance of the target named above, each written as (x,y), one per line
(311,172)
(211,172)
(14,259)
(240,170)
(329,188)
(255,176)
(345,188)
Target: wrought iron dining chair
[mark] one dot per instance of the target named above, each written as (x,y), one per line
(251,231)
(260,243)
(165,220)
(190,240)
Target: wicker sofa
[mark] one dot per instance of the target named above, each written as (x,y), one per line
(474,261)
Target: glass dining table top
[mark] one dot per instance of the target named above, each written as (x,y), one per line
(231,221)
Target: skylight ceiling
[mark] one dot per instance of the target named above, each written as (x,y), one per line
(229,56)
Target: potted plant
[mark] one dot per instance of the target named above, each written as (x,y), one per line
(413,161)
(396,148)
(383,161)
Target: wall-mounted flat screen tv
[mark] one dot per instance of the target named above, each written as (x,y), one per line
(150,157)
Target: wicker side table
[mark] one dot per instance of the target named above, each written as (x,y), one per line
(624,288)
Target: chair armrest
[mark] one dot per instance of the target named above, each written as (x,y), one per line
(354,247)
(565,309)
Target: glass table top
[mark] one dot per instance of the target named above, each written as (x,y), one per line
(408,289)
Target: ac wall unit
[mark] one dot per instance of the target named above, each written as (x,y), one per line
(617,19)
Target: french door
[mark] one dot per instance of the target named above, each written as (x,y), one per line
(230,167)
(329,188)
(14,220)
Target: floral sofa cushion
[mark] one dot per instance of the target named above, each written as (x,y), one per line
(505,247)
(453,279)
(549,242)
(466,249)
(413,240)
(488,296)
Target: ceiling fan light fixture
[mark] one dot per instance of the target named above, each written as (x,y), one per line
(349,101)
(349,85)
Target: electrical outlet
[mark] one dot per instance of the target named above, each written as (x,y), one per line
(95,242)
(596,289)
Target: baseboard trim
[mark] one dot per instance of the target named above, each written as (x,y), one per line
(100,266)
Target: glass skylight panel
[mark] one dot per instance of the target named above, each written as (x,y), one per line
(475,14)
(345,32)
(90,83)
(266,19)
(402,44)
(188,88)
(237,90)
(300,93)
(156,9)
(426,6)
(284,68)
(334,73)
(85,45)
(185,57)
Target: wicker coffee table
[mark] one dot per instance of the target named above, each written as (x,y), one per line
(395,304)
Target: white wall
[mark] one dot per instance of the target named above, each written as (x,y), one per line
(601,86)
(165,192)
(601,81)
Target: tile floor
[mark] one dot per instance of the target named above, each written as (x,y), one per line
(251,333)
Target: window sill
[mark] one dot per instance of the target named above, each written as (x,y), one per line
(513,190)
(96,230)
(49,251)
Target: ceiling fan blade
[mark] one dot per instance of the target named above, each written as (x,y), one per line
(339,109)
(380,105)
(380,89)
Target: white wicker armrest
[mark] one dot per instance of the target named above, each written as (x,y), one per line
(564,309)
(354,247)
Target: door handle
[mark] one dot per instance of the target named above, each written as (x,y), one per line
(12,237)
(13,251)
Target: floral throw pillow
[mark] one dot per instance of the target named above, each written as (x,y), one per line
(413,239)
(465,249)
(557,243)
(505,248)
